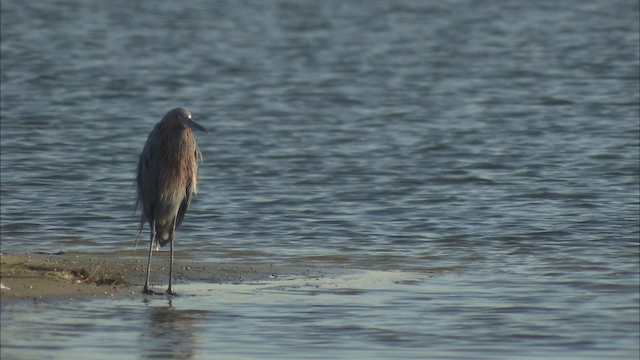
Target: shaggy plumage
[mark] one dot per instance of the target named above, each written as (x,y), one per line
(167,179)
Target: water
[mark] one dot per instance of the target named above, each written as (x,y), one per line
(488,151)
(364,315)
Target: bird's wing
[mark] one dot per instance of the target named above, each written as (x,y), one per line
(147,176)
(184,205)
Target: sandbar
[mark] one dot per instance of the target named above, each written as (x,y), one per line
(74,275)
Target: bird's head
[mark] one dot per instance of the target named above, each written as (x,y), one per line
(183,116)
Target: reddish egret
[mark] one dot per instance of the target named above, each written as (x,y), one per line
(166,180)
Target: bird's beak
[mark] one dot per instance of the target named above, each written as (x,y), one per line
(195,125)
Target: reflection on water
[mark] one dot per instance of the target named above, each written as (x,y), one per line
(376,315)
(170,333)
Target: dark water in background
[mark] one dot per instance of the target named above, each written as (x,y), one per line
(494,144)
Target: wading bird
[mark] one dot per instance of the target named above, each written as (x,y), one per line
(166,181)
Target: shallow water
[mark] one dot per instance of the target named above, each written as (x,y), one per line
(357,315)
(490,151)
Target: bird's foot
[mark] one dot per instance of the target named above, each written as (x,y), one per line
(170,292)
(146,291)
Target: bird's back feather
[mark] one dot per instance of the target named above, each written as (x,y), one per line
(166,178)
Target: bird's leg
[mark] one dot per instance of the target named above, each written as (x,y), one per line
(173,233)
(152,239)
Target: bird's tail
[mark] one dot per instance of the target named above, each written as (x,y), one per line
(138,212)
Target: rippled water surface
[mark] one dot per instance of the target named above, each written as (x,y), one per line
(486,151)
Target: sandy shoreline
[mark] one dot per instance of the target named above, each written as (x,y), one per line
(38,276)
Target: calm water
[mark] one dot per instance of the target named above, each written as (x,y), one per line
(487,154)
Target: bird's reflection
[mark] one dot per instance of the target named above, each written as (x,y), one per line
(170,332)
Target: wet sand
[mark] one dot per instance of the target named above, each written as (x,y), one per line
(38,276)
